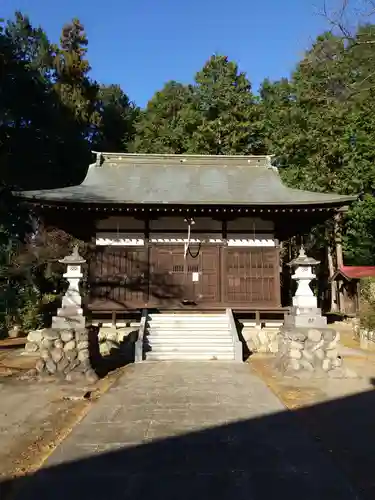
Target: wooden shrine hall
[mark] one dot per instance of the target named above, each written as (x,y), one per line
(183,232)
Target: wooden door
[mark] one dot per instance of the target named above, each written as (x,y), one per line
(251,277)
(118,277)
(207,288)
(190,281)
(167,276)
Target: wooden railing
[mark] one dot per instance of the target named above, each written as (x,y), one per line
(259,314)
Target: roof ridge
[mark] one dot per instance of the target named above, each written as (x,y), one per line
(174,155)
(264,161)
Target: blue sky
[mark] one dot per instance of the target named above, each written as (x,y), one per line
(141,44)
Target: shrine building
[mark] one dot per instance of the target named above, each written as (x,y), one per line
(183,232)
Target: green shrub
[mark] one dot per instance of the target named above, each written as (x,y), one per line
(31,278)
(367,317)
(368,291)
(367,304)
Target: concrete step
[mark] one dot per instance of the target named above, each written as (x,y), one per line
(188,327)
(191,336)
(204,348)
(184,335)
(181,336)
(190,356)
(187,319)
(187,315)
(198,319)
(228,343)
(160,339)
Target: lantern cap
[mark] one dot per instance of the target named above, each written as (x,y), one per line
(73,258)
(303,259)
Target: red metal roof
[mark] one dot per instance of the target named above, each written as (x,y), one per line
(358,272)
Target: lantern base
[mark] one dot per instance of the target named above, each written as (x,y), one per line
(306,317)
(68,322)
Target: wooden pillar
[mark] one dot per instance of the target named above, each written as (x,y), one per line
(146,296)
(224,230)
(257,318)
(338,240)
(339,257)
(358,298)
(333,283)
(114,318)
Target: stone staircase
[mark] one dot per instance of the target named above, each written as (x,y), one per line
(191,336)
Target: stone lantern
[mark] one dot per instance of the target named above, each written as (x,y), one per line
(303,275)
(305,343)
(305,311)
(71,313)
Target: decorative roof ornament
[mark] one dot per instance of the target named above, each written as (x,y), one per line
(74,258)
(303,259)
(269,162)
(99,158)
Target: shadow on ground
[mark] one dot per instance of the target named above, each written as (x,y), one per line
(246,353)
(263,459)
(118,357)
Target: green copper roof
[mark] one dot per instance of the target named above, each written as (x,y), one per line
(184,179)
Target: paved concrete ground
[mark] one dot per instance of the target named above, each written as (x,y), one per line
(188,431)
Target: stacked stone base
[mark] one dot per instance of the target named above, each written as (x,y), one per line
(310,351)
(62,353)
(262,340)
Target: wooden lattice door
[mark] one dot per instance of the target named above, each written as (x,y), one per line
(168,276)
(191,280)
(252,277)
(118,276)
(207,264)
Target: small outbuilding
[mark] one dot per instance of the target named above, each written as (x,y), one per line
(348,280)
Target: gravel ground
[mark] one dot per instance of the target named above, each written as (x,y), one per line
(338,414)
(36,415)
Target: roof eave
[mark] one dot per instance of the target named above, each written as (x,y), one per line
(340,205)
(300,206)
(340,272)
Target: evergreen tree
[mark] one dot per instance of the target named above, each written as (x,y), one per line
(117,125)
(320,125)
(166,123)
(218,114)
(49,114)
(226,111)
(40,140)
(76,90)
(30,44)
